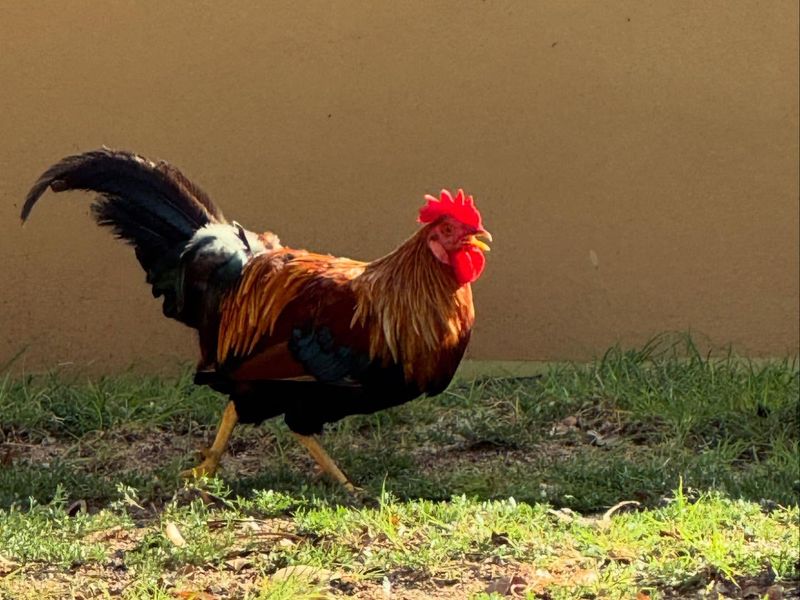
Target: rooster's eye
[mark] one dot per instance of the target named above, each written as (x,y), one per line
(447,229)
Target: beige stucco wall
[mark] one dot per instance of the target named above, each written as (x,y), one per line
(637,161)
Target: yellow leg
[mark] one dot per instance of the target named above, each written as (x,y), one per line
(212,455)
(325,461)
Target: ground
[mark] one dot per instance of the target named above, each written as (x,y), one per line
(654,473)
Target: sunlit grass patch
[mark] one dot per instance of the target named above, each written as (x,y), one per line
(474,490)
(464,544)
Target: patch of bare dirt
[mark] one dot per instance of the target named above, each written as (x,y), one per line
(142,450)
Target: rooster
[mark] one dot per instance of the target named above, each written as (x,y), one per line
(282,331)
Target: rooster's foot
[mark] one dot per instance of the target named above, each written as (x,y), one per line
(327,465)
(206,468)
(211,456)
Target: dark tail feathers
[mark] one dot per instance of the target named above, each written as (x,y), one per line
(152,206)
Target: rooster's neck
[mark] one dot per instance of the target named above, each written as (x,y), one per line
(413,307)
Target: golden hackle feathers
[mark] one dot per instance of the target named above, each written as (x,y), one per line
(413,308)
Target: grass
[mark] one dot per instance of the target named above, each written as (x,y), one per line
(495,487)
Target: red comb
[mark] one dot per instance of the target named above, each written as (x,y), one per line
(462,208)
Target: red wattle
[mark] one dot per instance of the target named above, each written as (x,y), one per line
(468,264)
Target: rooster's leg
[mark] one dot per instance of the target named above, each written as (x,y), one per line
(212,455)
(325,461)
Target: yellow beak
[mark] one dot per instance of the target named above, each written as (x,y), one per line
(474,241)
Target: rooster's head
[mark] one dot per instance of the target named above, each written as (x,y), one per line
(453,232)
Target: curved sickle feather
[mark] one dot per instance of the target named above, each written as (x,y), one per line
(125,174)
